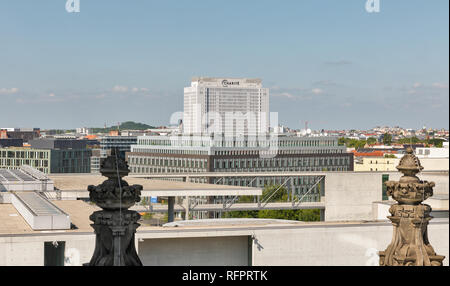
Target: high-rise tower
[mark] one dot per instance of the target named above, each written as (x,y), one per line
(233,106)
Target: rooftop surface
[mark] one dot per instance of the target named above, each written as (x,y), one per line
(79,212)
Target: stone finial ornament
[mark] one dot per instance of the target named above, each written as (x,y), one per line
(115,226)
(410,245)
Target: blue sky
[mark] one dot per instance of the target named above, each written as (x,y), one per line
(327,62)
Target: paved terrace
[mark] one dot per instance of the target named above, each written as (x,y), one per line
(78,183)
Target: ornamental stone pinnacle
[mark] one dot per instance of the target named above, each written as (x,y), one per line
(115,226)
(410,218)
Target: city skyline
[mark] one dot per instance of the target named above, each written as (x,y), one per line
(331,64)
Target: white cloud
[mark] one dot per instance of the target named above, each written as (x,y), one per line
(440,85)
(142,89)
(284,94)
(317,91)
(12,90)
(120,88)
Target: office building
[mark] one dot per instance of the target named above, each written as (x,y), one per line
(47,160)
(52,143)
(196,154)
(123,143)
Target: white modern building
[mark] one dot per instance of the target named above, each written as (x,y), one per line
(427,152)
(234,106)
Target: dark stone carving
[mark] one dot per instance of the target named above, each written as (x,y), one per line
(115,226)
(410,218)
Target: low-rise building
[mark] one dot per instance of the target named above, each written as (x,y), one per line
(26,134)
(432,152)
(47,160)
(11,142)
(375,164)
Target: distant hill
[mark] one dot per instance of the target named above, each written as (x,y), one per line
(129,125)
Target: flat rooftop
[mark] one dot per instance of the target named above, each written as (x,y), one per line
(13,224)
(79,212)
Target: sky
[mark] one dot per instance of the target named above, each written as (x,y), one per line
(327,62)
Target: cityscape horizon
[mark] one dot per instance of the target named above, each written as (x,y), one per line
(354,74)
(254,133)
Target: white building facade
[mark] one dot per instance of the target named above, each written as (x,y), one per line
(233,106)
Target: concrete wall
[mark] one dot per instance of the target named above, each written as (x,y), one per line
(320,244)
(214,251)
(29,250)
(434,164)
(334,245)
(349,196)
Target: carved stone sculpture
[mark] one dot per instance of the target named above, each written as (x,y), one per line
(410,245)
(115,226)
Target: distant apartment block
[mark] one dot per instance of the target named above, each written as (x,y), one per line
(26,134)
(376,164)
(83,130)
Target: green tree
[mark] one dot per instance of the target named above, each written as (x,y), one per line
(281,195)
(371,140)
(342,141)
(436,142)
(387,139)
(411,140)
(351,143)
